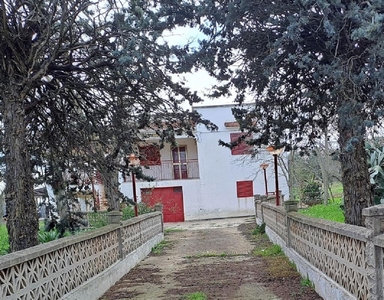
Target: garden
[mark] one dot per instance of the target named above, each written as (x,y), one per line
(333,211)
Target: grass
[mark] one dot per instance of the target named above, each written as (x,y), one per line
(305,282)
(170,230)
(159,248)
(260,229)
(4,244)
(271,250)
(331,212)
(278,264)
(196,296)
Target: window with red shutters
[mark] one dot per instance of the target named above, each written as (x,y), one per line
(149,155)
(242,148)
(244,189)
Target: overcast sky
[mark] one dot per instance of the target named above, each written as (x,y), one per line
(199,81)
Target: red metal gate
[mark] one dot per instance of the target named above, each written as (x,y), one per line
(170,197)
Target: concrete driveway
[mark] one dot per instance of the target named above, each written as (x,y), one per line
(209,256)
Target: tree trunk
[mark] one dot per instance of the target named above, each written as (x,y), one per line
(324,168)
(354,168)
(111,188)
(59,190)
(323,160)
(63,208)
(291,176)
(2,207)
(22,224)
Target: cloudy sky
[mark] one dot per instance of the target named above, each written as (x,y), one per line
(199,81)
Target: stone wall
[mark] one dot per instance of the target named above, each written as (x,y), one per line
(83,266)
(343,261)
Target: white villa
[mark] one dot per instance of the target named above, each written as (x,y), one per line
(199,179)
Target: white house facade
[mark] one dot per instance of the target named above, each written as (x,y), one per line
(199,179)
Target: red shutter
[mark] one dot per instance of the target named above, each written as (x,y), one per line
(242,148)
(149,155)
(244,189)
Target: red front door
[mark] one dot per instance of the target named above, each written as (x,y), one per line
(170,197)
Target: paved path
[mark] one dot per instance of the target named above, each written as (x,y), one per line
(207,256)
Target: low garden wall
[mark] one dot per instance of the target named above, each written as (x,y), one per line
(83,266)
(343,261)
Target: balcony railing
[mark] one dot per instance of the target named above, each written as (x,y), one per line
(165,170)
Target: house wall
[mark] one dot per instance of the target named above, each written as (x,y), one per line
(214,194)
(191,187)
(220,170)
(192,197)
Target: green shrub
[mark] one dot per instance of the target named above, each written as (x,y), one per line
(312,193)
(376,171)
(260,229)
(129,211)
(144,208)
(97,219)
(47,236)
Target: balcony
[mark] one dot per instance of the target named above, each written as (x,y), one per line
(165,171)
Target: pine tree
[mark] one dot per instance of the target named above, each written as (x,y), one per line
(307,64)
(78,80)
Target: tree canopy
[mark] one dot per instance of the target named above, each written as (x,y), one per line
(306,65)
(79,79)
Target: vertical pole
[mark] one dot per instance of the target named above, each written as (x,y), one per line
(265,181)
(134,193)
(276,181)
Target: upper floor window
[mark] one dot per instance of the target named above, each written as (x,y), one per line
(179,160)
(150,155)
(242,148)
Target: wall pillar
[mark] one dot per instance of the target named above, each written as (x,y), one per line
(290,206)
(159,207)
(374,221)
(114,217)
(257,202)
(263,198)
